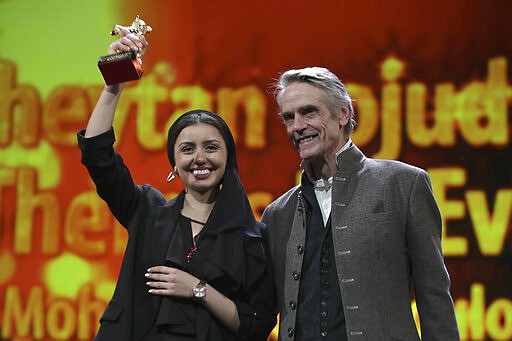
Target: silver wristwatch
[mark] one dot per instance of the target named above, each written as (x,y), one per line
(199,291)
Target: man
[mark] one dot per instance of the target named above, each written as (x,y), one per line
(358,236)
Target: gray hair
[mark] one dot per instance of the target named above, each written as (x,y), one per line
(336,94)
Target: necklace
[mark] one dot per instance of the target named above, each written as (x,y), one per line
(194,249)
(192,206)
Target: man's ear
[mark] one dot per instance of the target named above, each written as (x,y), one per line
(344,117)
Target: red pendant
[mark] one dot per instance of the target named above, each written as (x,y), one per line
(191,252)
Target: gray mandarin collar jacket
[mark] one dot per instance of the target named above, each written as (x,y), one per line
(386,229)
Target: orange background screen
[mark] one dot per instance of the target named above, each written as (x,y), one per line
(430,84)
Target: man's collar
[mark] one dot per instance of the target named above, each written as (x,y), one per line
(319,181)
(342,149)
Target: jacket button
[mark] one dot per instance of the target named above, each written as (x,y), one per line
(290,332)
(292,305)
(295,275)
(300,249)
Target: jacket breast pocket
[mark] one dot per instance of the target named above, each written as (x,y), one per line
(383,231)
(380,218)
(381,223)
(112,313)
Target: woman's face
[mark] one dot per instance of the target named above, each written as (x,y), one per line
(201,157)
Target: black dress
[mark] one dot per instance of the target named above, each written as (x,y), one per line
(231,256)
(184,319)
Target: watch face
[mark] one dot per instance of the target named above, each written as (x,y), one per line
(199,291)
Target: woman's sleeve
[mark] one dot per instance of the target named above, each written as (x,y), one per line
(112,178)
(258,312)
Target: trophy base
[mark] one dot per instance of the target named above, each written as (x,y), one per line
(120,67)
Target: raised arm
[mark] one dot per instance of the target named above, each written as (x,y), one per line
(103,114)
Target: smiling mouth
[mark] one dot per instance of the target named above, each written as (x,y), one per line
(201,172)
(305,139)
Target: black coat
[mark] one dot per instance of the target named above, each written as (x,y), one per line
(233,257)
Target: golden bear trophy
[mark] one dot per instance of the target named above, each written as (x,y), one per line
(124,66)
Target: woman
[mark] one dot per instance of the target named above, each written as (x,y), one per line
(194,267)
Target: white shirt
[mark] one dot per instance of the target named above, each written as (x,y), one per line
(323,196)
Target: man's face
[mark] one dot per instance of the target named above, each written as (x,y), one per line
(313,130)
